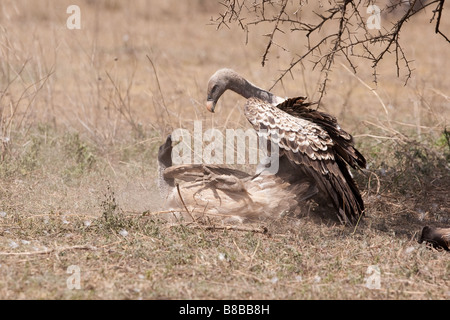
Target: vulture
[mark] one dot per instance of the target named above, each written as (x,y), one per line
(439,238)
(312,145)
(227,193)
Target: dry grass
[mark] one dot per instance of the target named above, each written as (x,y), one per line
(83,112)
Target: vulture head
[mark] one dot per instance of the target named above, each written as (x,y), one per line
(227,79)
(165,184)
(219,82)
(165,153)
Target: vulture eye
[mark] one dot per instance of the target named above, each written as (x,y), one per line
(213,90)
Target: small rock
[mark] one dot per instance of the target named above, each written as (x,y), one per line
(13,244)
(409,250)
(123,233)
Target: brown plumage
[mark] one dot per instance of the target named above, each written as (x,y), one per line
(313,143)
(225,192)
(437,237)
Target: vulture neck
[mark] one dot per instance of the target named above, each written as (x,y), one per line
(248,90)
(164,185)
(164,161)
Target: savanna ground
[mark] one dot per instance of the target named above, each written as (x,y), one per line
(82,115)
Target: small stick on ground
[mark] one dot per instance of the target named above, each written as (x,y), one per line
(262,230)
(30,253)
(184,204)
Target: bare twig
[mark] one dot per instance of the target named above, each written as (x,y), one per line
(159,87)
(368,87)
(340,28)
(262,230)
(61,249)
(439,9)
(184,204)
(275,29)
(124,107)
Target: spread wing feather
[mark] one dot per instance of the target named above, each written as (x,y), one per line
(318,147)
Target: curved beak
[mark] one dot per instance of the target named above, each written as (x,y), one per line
(210,105)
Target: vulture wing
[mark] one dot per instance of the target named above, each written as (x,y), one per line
(316,145)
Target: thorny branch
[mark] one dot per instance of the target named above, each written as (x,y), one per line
(337,28)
